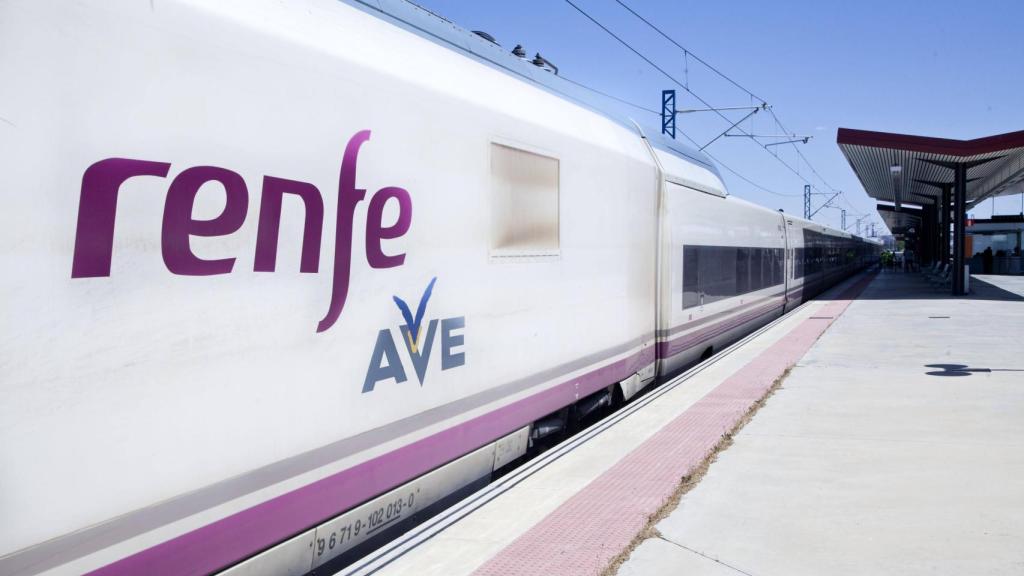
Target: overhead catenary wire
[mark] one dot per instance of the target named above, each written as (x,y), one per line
(842,196)
(709,106)
(687,54)
(680,84)
(717,160)
(610,96)
(687,136)
(644,58)
(744,178)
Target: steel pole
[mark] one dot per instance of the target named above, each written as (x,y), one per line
(959,219)
(947,208)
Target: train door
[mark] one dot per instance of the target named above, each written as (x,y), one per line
(787,262)
(692,254)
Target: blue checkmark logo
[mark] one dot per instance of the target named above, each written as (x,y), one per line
(413,324)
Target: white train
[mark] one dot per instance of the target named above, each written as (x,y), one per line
(282,276)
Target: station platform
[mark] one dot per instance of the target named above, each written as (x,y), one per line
(878,429)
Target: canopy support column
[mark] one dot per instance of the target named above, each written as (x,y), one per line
(942,207)
(959,186)
(959,220)
(944,230)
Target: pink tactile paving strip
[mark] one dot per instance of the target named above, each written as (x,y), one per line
(582,535)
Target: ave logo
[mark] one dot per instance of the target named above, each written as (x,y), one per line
(418,339)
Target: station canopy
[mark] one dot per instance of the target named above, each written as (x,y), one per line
(903,169)
(898,220)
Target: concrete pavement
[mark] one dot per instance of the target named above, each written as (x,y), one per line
(895,446)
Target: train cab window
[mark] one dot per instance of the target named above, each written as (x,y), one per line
(524,203)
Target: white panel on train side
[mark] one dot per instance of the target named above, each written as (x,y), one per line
(682,173)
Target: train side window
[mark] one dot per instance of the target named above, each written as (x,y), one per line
(712,273)
(743,270)
(691,276)
(524,203)
(755,269)
(718,273)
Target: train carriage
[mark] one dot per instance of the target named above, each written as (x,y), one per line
(284,277)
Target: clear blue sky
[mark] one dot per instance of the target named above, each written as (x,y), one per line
(939,68)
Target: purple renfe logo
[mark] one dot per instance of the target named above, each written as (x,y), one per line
(94,237)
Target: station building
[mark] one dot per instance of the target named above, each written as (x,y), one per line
(995,244)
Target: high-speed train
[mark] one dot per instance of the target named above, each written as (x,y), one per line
(282,276)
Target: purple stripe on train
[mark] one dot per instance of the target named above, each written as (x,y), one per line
(713,317)
(667,349)
(234,538)
(231,539)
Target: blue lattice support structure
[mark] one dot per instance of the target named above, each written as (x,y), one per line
(668,113)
